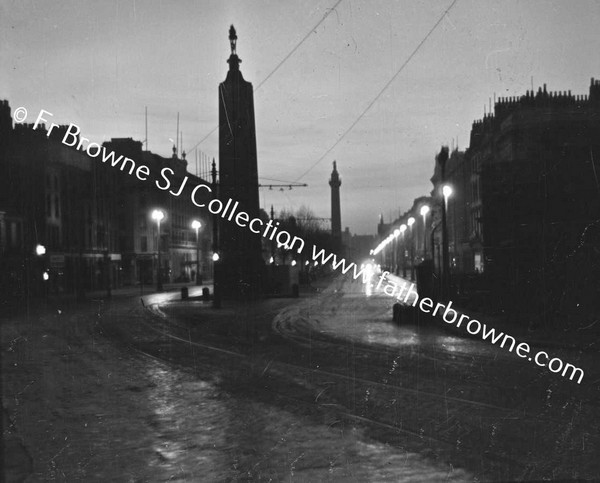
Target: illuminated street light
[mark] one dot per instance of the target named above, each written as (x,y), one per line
(411,222)
(424,210)
(396,233)
(447,192)
(441,159)
(196,226)
(158,215)
(215,257)
(294,263)
(402,228)
(40,250)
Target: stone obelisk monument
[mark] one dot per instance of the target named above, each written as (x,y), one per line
(241,265)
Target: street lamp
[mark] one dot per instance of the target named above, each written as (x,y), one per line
(410,222)
(395,253)
(158,215)
(196,226)
(447,192)
(442,159)
(402,230)
(40,250)
(424,210)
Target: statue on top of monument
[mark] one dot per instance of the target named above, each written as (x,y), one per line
(232,39)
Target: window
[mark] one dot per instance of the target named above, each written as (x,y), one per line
(143,244)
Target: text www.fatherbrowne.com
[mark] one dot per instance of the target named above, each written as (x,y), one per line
(405,294)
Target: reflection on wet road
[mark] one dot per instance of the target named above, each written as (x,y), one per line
(91,409)
(206,434)
(366,318)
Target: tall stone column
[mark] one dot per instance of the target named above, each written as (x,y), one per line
(241,264)
(336,216)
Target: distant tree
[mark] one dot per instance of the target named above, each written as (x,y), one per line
(304,224)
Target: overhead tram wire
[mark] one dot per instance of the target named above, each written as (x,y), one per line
(327,13)
(376,98)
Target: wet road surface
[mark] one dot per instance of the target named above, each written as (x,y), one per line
(321,389)
(134,406)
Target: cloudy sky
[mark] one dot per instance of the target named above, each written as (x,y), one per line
(98,64)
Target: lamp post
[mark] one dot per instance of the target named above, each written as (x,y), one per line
(442,158)
(424,211)
(216,264)
(446,192)
(402,230)
(396,235)
(196,226)
(410,222)
(158,215)
(40,252)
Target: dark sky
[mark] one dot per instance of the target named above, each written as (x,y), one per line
(98,64)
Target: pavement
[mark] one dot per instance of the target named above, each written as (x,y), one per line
(567,332)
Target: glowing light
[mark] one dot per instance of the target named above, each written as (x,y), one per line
(306,262)
(293,263)
(402,228)
(447,191)
(196,225)
(40,250)
(396,233)
(410,221)
(45,276)
(316,263)
(158,215)
(424,210)
(215,257)
(271,260)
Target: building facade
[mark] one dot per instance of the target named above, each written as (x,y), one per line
(72,223)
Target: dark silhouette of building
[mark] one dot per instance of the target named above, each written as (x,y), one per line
(357,247)
(241,266)
(336,215)
(536,158)
(54,196)
(523,215)
(93,220)
(138,231)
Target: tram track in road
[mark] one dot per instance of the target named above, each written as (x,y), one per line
(253,365)
(303,370)
(270,375)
